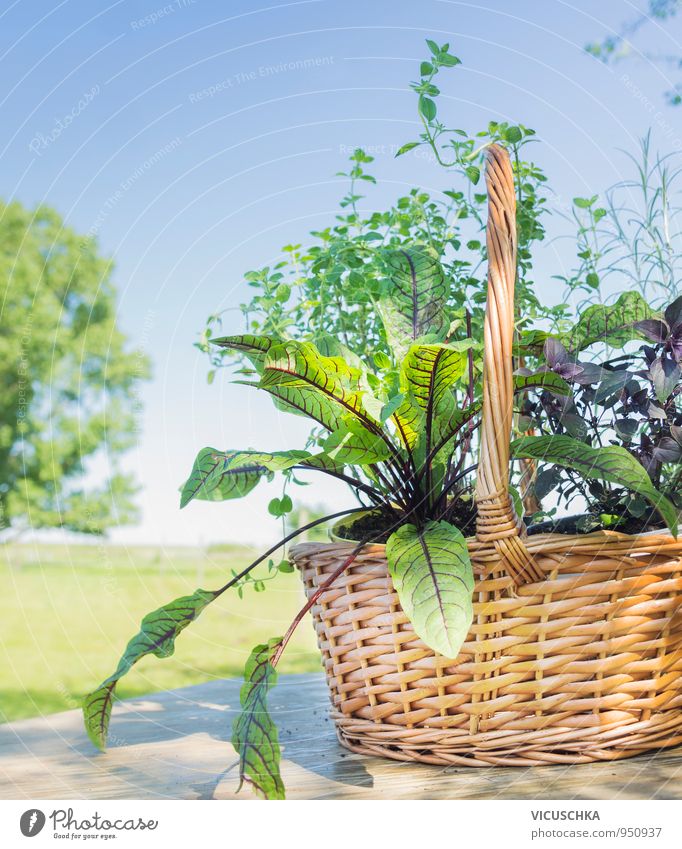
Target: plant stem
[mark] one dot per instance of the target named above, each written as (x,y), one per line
(311,601)
(282,542)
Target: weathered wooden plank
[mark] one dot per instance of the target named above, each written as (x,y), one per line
(175,745)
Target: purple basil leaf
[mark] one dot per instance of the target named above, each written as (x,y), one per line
(656,412)
(649,354)
(676,341)
(667,451)
(673,315)
(611,383)
(574,424)
(653,329)
(569,371)
(676,433)
(626,428)
(665,375)
(555,353)
(589,374)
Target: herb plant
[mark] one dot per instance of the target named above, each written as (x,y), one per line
(632,400)
(390,382)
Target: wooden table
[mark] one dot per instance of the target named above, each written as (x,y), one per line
(175,745)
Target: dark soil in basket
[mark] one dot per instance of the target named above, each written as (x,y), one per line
(587,523)
(378,525)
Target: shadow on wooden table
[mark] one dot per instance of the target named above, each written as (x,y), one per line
(175,745)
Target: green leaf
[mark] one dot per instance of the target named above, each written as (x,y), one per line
(427,107)
(425,69)
(325,389)
(408,146)
(279,507)
(541,380)
(330,346)
(433,47)
(353,444)
(415,303)
(428,376)
(254,734)
(221,475)
(513,135)
(473,173)
(612,464)
(255,348)
(448,60)
(531,342)
(157,635)
(613,325)
(382,361)
(432,574)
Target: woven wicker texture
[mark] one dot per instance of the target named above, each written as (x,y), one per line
(575,652)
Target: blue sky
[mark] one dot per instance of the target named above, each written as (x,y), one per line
(200,141)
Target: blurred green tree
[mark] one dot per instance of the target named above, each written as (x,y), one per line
(68,379)
(625,43)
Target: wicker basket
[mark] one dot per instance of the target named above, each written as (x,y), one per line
(575,653)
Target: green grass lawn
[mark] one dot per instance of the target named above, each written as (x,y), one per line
(67,612)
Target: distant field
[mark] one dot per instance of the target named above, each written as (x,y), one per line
(67,612)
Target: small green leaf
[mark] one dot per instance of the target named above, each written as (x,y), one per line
(391,406)
(157,635)
(448,60)
(408,146)
(283,293)
(513,135)
(426,69)
(612,464)
(433,47)
(254,734)
(433,576)
(427,107)
(473,173)
(381,361)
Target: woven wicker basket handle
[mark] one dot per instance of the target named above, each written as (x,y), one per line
(497,521)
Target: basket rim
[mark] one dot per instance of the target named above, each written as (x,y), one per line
(537,542)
